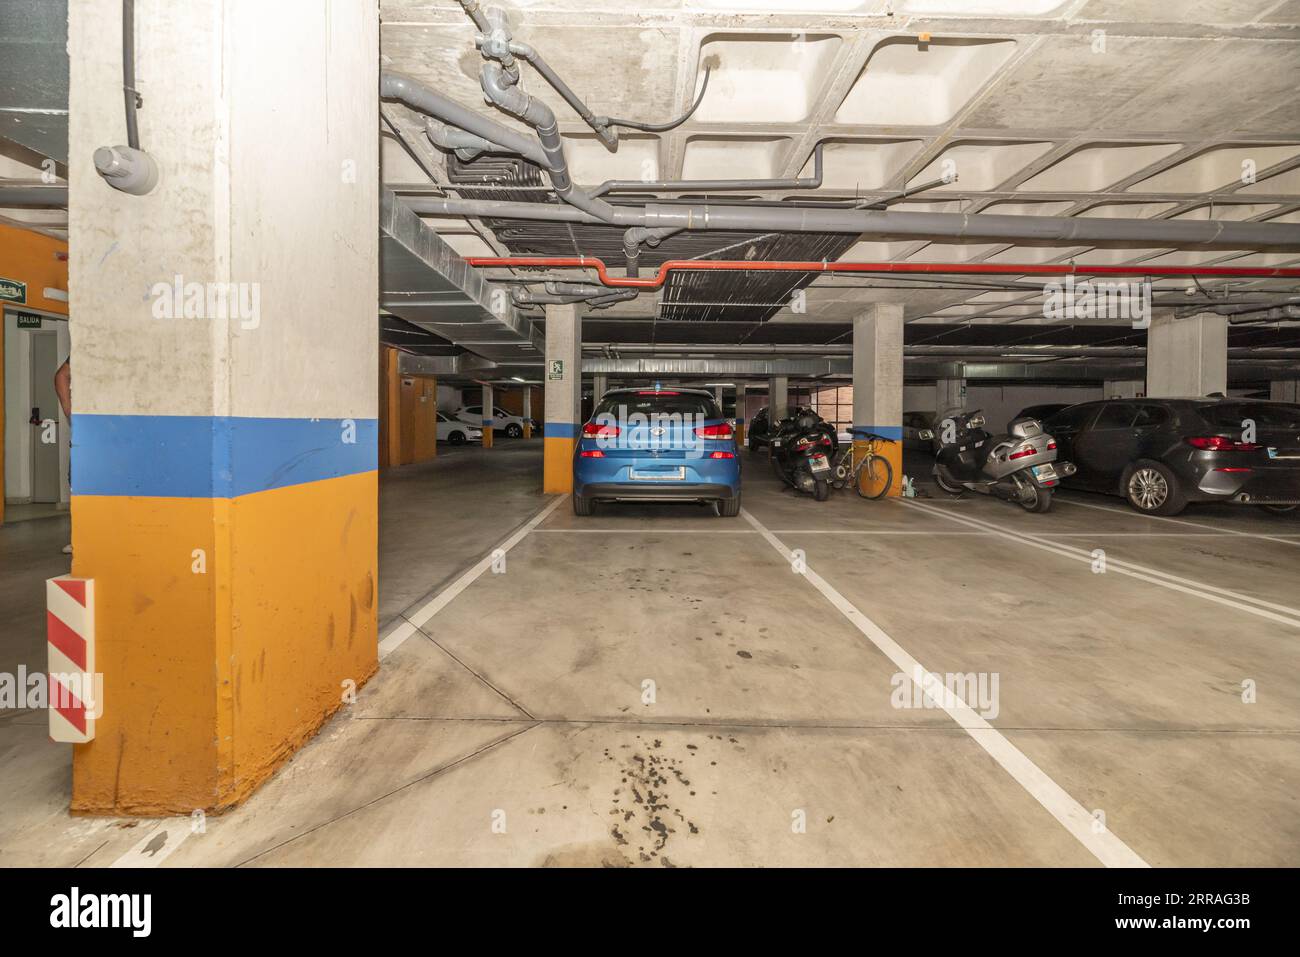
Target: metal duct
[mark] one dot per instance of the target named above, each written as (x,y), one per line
(425,282)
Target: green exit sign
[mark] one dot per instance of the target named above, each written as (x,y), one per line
(28,320)
(11,290)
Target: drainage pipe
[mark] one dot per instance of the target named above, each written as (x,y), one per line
(404,89)
(54,197)
(1009,269)
(960,227)
(499,86)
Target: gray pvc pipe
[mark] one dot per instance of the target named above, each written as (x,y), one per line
(978,227)
(52,196)
(398,86)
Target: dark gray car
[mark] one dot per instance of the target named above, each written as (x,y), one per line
(1160,454)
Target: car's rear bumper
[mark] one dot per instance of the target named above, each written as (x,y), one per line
(657,492)
(1260,486)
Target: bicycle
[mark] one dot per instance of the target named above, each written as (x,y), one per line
(872,476)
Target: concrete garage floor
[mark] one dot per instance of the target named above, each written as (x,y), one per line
(514,727)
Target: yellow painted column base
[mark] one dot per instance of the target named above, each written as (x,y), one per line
(229,631)
(487,436)
(893,453)
(557,468)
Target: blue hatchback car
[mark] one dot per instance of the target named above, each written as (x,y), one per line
(656,445)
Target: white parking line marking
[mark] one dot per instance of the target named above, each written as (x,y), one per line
(1101,843)
(1178,521)
(408,624)
(157,844)
(1248,603)
(646,531)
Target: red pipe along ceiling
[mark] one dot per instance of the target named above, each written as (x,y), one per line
(985,269)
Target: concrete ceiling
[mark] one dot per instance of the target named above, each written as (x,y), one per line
(1133,108)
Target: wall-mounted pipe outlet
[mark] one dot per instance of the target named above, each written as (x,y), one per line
(130,170)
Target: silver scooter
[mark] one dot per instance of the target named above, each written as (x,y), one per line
(1018,466)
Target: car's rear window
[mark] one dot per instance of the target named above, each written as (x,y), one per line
(1265,415)
(623,404)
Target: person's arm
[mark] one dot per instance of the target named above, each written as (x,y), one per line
(63,388)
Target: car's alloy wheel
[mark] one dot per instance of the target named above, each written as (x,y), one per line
(1148,489)
(514,431)
(456,438)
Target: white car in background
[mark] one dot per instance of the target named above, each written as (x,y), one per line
(503,421)
(457,432)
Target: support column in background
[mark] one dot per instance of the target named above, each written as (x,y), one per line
(741,388)
(1123,388)
(599,386)
(778,399)
(949,394)
(489,414)
(527,412)
(1186,357)
(878,384)
(717,397)
(563,396)
(1284,390)
(224,473)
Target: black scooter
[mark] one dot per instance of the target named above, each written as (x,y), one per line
(801,452)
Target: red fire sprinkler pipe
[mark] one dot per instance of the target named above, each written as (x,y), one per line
(981,269)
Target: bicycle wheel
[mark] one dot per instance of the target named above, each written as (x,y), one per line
(875,477)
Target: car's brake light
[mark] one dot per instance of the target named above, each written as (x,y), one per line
(1229,469)
(722,431)
(722,455)
(597,430)
(1217,443)
(657,392)
(1050,446)
(592,454)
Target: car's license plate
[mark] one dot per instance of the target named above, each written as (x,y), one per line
(819,463)
(662,475)
(1045,472)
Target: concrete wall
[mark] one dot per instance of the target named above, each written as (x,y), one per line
(1000,403)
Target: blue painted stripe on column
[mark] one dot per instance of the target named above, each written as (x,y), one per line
(894,432)
(201,456)
(560,430)
(488,423)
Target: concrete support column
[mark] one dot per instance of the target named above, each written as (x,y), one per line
(224,468)
(599,386)
(1187,357)
(741,388)
(778,398)
(878,383)
(528,411)
(563,395)
(717,396)
(489,414)
(1284,390)
(949,394)
(1123,388)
